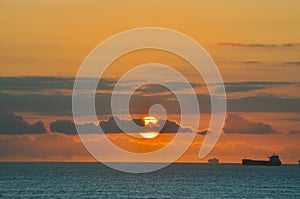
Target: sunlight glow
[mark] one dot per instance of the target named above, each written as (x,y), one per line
(149,135)
(148,121)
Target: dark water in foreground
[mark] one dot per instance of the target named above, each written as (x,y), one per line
(94,180)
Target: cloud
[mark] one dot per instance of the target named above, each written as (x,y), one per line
(12,124)
(44,85)
(68,127)
(294,132)
(242,62)
(35,83)
(251,62)
(173,127)
(62,104)
(264,103)
(241,87)
(38,84)
(259,45)
(63,126)
(25,99)
(110,126)
(236,124)
(253,85)
(294,119)
(37,103)
(158,89)
(293,63)
(203,132)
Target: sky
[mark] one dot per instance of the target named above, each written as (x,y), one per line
(255,44)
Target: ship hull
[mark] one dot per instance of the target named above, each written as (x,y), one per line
(213,161)
(260,163)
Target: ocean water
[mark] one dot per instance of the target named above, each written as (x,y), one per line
(94,180)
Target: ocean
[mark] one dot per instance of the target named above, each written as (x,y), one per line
(180,180)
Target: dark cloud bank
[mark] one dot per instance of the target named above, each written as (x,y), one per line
(15,125)
(236,124)
(22,94)
(110,126)
(10,124)
(61,104)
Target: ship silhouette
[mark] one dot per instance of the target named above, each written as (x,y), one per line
(213,161)
(273,161)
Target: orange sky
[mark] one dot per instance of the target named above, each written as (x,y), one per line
(249,41)
(51,38)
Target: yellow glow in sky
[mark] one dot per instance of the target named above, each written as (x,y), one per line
(149,135)
(149,120)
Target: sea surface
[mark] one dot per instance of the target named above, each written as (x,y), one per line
(94,180)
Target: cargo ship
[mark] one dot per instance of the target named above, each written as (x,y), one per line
(213,161)
(273,161)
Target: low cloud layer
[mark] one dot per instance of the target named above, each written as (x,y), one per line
(158,89)
(37,95)
(294,132)
(110,126)
(235,124)
(61,104)
(296,63)
(68,127)
(41,85)
(260,45)
(11,124)
(33,84)
(253,85)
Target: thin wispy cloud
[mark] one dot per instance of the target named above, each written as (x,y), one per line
(295,63)
(294,132)
(257,45)
(241,62)
(254,85)
(64,85)
(251,62)
(42,84)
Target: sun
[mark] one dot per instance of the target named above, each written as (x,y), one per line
(149,135)
(148,121)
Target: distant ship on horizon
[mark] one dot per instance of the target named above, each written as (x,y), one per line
(273,161)
(213,161)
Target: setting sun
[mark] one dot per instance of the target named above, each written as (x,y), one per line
(149,135)
(148,121)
